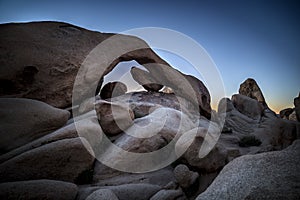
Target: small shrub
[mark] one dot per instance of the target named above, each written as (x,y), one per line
(249,141)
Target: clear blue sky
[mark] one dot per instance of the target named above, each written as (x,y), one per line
(246,38)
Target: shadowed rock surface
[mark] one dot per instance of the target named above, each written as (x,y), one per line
(184,176)
(144,78)
(89,129)
(24,120)
(251,89)
(40,60)
(103,194)
(113,89)
(38,189)
(297,107)
(272,175)
(285,113)
(62,160)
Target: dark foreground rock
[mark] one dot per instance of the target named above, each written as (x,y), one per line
(62,160)
(40,60)
(38,189)
(285,113)
(113,89)
(273,175)
(297,107)
(24,120)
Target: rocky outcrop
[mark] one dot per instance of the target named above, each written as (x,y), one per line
(285,113)
(148,134)
(24,77)
(38,189)
(113,89)
(293,116)
(24,120)
(144,78)
(62,160)
(247,106)
(272,175)
(251,123)
(28,64)
(28,67)
(127,132)
(251,89)
(297,107)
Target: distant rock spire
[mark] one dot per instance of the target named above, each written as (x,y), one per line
(251,89)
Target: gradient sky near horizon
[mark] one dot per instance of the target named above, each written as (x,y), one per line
(251,38)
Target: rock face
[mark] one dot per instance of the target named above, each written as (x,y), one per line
(89,129)
(271,175)
(285,113)
(23,120)
(38,189)
(114,117)
(134,191)
(144,78)
(28,67)
(127,178)
(201,92)
(184,176)
(293,116)
(62,160)
(122,192)
(247,106)
(214,161)
(251,89)
(297,107)
(103,194)
(113,89)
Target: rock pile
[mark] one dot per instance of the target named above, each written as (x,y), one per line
(47,152)
(292,113)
